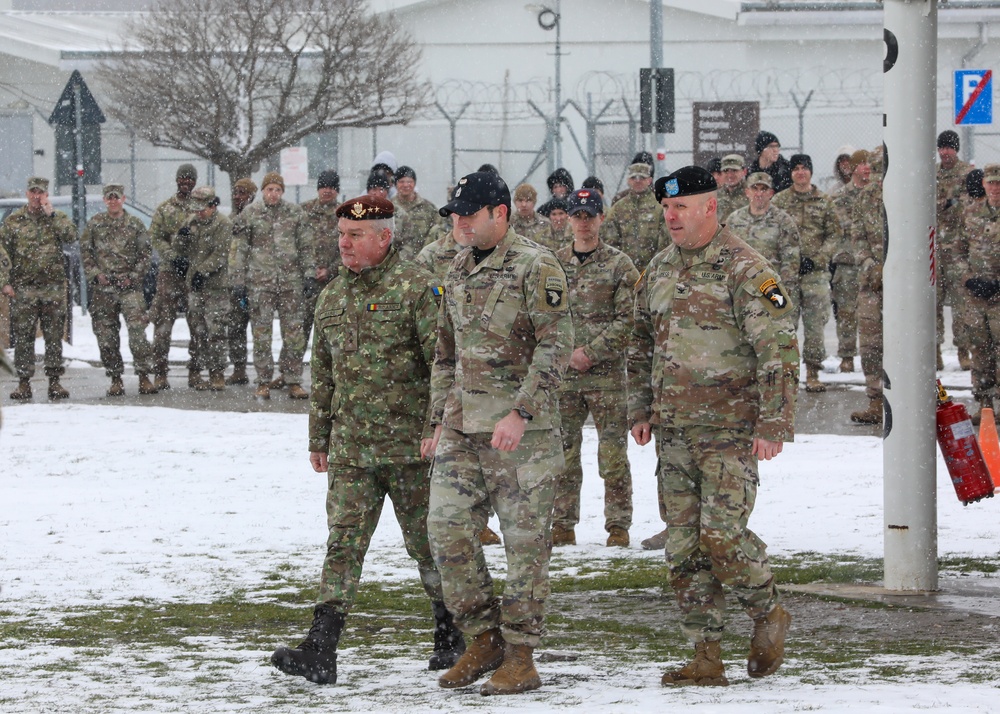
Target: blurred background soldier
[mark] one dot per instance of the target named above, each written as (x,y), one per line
(634,225)
(34,237)
(526,221)
(951,173)
(171,291)
(714,167)
(732,190)
(820,235)
(421,214)
(596,184)
(321,215)
(116,255)
(560,183)
(642,157)
(600,280)
(272,260)
(244,192)
(770,160)
(834,184)
(206,239)
(378,185)
(559,232)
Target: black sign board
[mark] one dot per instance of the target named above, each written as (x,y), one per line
(722,128)
(64,120)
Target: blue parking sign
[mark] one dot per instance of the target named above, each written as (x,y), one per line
(973,96)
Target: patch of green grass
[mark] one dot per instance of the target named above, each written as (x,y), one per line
(809,567)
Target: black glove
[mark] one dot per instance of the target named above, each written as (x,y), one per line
(181,265)
(310,288)
(983,287)
(184,231)
(197,282)
(806,266)
(241,297)
(833,269)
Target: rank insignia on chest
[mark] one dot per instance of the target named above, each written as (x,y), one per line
(377,306)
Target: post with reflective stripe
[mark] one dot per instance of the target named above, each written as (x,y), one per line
(908,317)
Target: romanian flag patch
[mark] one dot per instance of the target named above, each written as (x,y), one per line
(438,290)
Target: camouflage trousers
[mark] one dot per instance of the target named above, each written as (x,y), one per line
(709,480)
(239,319)
(609,410)
(870,340)
(31,306)
(469,476)
(984,340)
(288,304)
(814,304)
(354,500)
(106,304)
(170,299)
(208,315)
(951,289)
(844,295)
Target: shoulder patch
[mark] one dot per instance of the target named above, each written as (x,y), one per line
(766,286)
(552,281)
(438,290)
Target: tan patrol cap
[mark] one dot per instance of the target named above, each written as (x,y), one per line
(733,161)
(640,170)
(38,182)
(760,177)
(991,173)
(203,197)
(114,189)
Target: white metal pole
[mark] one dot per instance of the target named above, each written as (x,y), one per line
(908,317)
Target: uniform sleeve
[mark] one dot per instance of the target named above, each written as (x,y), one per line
(161,236)
(426,313)
(67,229)
(789,254)
(443,371)
(88,253)
(239,250)
(4,262)
(861,240)
(216,257)
(547,300)
(610,343)
(833,234)
(144,253)
(639,357)
(306,245)
(321,394)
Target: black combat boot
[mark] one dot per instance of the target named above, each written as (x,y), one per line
(448,641)
(315,658)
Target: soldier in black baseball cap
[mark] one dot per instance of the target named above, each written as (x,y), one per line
(476,191)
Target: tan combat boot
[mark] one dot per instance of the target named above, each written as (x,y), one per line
(277,383)
(263,391)
(964,360)
(216,381)
(145,386)
(617,537)
(871,415)
(517,673)
(812,379)
(563,536)
(117,389)
(484,655)
(295,391)
(160,383)
(239,376)
(56,390)
(655,542)
(847,364)
(767,645)
(196,382)
(705,670)
(23,391)
(488,537)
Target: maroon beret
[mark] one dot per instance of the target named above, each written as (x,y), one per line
(365,208)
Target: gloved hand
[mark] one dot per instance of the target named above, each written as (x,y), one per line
(311,288)
(184,231)
(197,282)
(832,268)
(181,265)
(241,297)
(806,266)
(983,287)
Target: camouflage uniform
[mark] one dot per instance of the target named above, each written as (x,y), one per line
(207,246)
(866,239)
(731,200)
(369,410)
(325,249)
(505,334)
(820,234)
(239,320)
(171,290)
(844,283)
(34,246)
(950,289)
(775,235)
(634,225)
(119,249)
(712,364)
(601,293)
(421,217)
(438,255)
(535,228)
(272,258)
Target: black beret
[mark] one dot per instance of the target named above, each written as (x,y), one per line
(365,208)
(801,160)
(687,181)
(405,172)
(948,138)
(328,179)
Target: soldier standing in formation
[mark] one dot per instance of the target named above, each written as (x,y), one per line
(732,190)
(558,233)
(321,215)
(33,238)
(171,293)
(820,234)
(244,192)
(634,224)
(421,214)
(205,239)
(271,252)
(719,399)
(951,173)
(526,221)
(770,160)
(601,280)
(505,335)
(368,426)
(116,255)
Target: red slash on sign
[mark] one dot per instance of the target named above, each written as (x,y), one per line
(974,96)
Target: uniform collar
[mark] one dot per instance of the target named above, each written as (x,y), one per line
(495,260)
(373,274)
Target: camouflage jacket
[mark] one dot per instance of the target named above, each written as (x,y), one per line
(775,236)
(438,256)
(371,364)
(271,247)
(820,231)
(731,200)
(844,203)
(505,335)
(421,217)
(977,250)
(168,218)
(601,293)
(950,191)
(207,247)
(117,248)
(535,228)
(4,267)
(712,345)
(34,246)
(324,233)
(867,219)
(635,226)
(552,240)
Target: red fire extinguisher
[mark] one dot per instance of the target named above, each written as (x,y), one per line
(957,439)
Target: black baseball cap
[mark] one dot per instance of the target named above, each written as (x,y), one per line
(587,200)
(475,191)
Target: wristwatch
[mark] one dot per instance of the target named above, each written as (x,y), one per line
(524,413)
